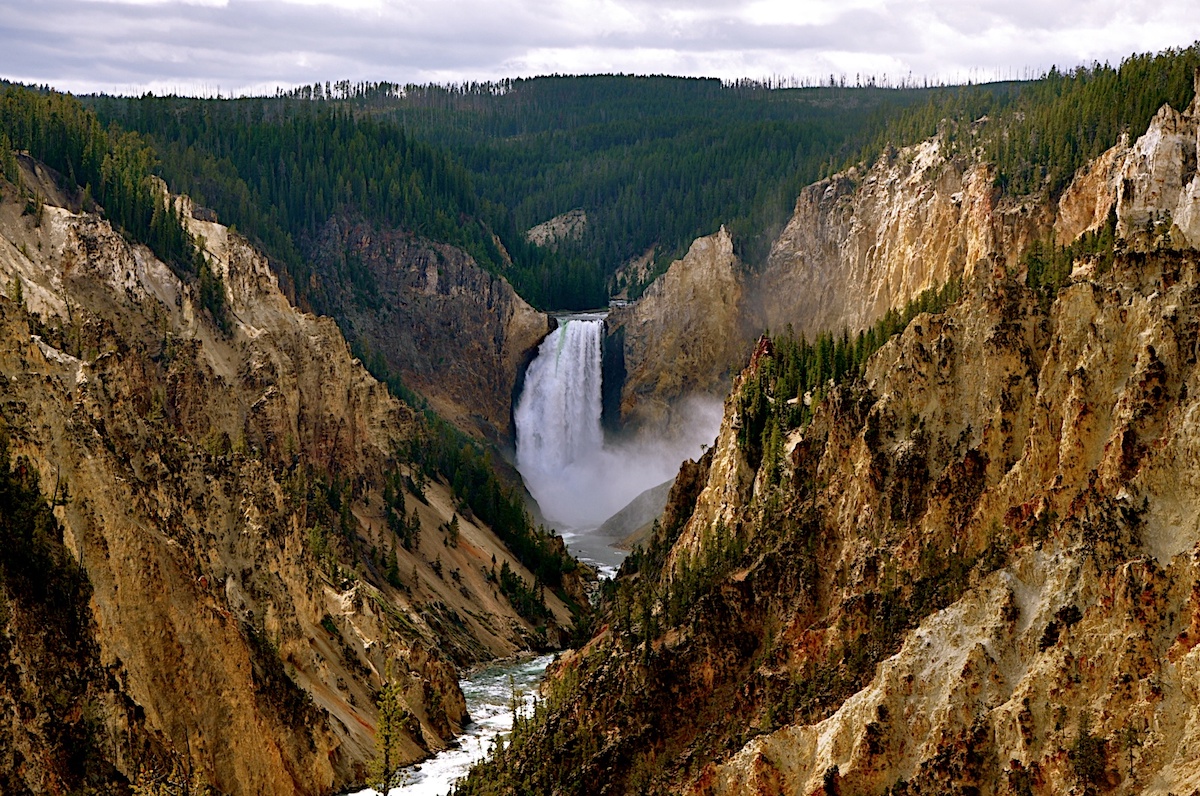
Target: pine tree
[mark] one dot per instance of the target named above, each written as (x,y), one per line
(385,771)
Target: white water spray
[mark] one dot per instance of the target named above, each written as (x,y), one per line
(558,416)
(576,479)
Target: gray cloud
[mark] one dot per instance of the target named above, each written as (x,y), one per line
(250,45)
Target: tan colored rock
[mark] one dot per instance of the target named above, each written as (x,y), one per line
(685,334)
(863,242)
(1153,186)
(858,244)
(633,273)
(1156,172)
(197,464)
(452,332)
(1091,422)
(567,226)
(1088,200)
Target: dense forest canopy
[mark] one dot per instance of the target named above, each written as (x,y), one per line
(1039,133)
(655,162)
(278,170)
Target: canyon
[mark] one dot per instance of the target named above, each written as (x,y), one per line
(230,497)
(858,244)
(970,571)
(964,560)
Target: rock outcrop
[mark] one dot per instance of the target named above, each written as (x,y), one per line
(1046,459)
(973,571)
(1152,186)
(684,335)
(455,334)
(858,244)
(568,226)
(224,495)
(863,242)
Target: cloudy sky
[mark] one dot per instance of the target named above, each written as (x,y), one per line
(244,46)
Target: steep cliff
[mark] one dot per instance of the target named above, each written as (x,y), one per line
(52,683)
(684,335)
(972,570)
(863,242)
(858,244)
(230,500)
(459,336)
(1151,186)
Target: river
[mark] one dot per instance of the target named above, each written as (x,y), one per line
(579,481)
(489,695)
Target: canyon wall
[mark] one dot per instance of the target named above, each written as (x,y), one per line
(972,571)
(455,334)
(857,245)
(226,495)
(866,241)
(682,337)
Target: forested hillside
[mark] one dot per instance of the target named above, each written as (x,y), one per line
(1037,134)
(280,169)
(113,167)
(655,162)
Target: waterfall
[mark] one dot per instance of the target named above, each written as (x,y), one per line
(578,480)
(558,418)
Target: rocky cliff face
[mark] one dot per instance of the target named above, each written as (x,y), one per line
(863,242)
(858,244)
(454,333)
(974,570)
(224,497)
(683,336)
(1151,186)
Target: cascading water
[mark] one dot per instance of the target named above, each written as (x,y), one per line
(579,482)
(577,479)
(558,419)
(558,416)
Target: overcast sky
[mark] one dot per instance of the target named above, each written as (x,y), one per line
(246,46)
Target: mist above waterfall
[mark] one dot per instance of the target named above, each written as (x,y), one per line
(577,479)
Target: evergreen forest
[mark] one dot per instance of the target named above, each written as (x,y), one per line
(654,162)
